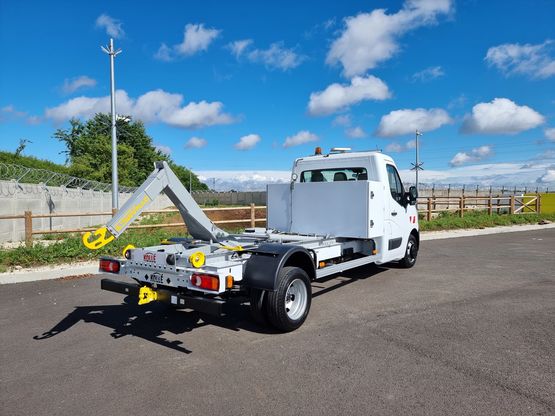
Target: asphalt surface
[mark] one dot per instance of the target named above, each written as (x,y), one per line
(469,330)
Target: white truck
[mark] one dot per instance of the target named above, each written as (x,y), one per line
(339,211)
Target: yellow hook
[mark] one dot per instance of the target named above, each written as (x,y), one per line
(100,241)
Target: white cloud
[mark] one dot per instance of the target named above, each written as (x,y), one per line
(153,106)
(74,84)
(239,46)
(342,120)
(535,61)
(501,116)
(195,143)
(397,147)
(475,155)
(33,120)
(550,134)
(112,26)
(370,38)
(247,142)
(355,132)
(243,180)
(277,56)
(10,110)
(400,122)
(489,174)
(548,177)
(197,115)
(394,148)
(164,53)
(196,38)
(428,74)
(304,136)
(10,113)
(337,97)
(165,150)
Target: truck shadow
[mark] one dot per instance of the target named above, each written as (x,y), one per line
(152,322)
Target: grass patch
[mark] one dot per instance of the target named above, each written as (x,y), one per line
(71,249)
(480,219)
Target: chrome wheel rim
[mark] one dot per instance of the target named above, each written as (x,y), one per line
(296,299)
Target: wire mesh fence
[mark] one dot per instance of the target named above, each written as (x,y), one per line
(27,175)
(480,189)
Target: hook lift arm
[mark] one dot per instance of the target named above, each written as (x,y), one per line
(162,179)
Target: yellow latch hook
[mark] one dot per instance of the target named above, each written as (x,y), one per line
(100,238)
(147,295)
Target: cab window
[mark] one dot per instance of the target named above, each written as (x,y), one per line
(395,184)
(334,175)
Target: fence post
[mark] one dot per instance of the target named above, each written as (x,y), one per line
(461,206)
(252,216)
(490,208)
(538,203)
(28,229)
(429,210)
(512,205)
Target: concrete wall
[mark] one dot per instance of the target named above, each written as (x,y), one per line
(17,198)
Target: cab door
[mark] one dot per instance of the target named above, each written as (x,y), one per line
(396,216)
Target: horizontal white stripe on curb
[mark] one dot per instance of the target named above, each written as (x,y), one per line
(49,272)
(438,235)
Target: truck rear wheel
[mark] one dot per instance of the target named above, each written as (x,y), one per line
(410,254)
(289,304)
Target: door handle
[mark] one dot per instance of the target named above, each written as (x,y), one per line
(394,213)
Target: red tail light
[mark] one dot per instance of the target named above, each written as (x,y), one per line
(205,281)
(109,266)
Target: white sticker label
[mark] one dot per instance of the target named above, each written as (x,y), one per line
(174,300)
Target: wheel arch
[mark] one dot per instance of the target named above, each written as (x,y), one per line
(266,261)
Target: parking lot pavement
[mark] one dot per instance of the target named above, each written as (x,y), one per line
(469,330)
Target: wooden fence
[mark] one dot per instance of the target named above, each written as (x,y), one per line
(499,204)
(427,207)
(28,217)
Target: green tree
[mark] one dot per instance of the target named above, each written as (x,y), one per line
(89,151)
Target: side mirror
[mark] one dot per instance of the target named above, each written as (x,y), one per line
(413,195)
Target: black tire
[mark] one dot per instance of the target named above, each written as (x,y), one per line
(258,306)
(289,304)
(411,253)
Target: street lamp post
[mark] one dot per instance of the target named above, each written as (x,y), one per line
(417,165)
(113,53)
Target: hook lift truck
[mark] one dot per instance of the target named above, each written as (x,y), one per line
(339,211)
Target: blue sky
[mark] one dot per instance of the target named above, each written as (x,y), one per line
(237,90)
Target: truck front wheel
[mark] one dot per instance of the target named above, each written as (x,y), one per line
(411,252)
(289,304)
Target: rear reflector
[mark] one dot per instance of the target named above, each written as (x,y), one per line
(109,266)
(205,281)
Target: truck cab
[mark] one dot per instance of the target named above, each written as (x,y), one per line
(350,195)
